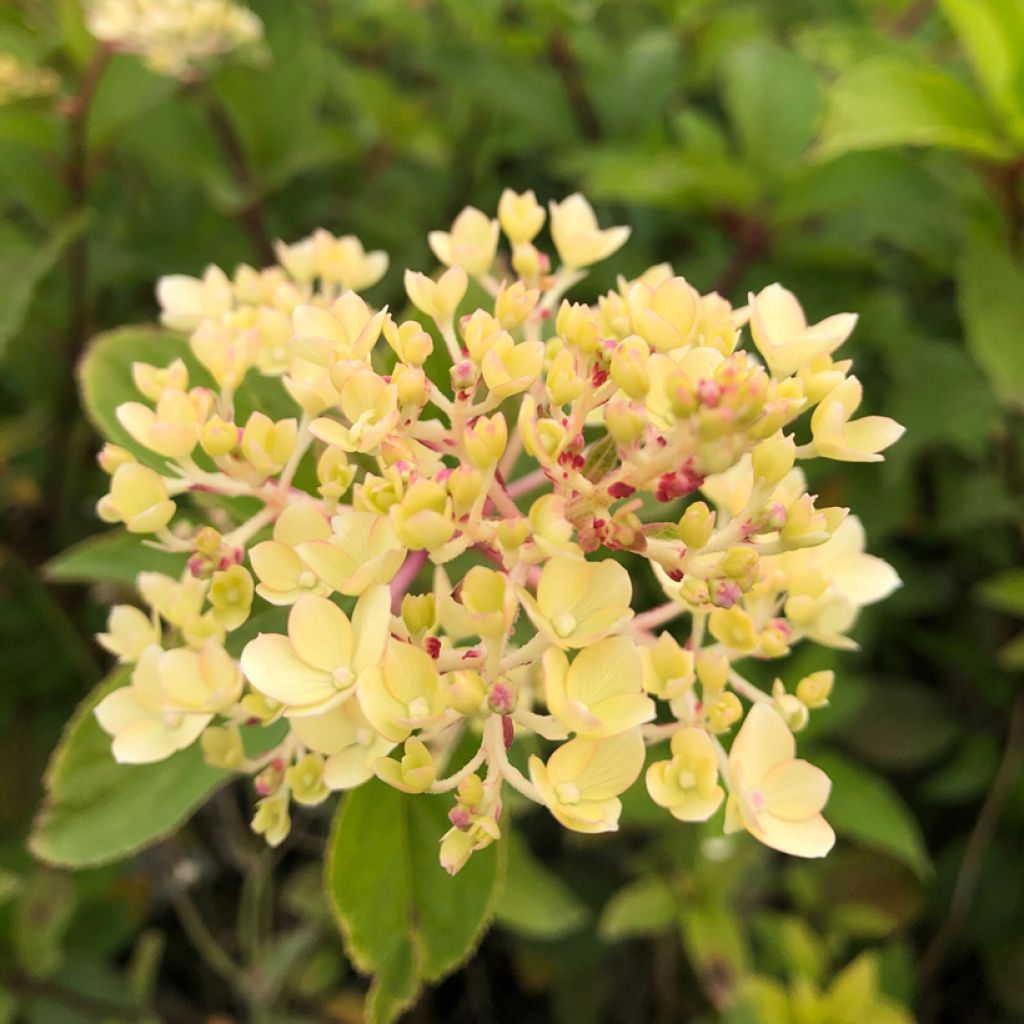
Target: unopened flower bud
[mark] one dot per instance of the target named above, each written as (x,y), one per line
(414,773)
(625,422)
(111,457)
(773,459)
(814,690)
(465,485)
(712,672)
(629,367)
(218,437)
(419,612)
(485,440)
(467,692)
(222,746)
(503,698)
(696,525)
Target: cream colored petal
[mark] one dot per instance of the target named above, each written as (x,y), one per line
(873,433)
(381,707)
(563,584)
(321,633)
(795,790)
(556,671)
(328,732)
(812,837)
(609,587)
(350,767)
(607,669)
(865,579)
(763,741)
(275,565)
(120,709)
(299,522)
(622,712)
(145,741)
(613,766)
(371,626)
(272,666)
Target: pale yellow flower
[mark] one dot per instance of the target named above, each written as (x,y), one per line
(402,693)
(129,632)
(471,244)
(828,584)
(138,498)
(783,336)
(361,549)
(582,780)
(521,216)
(667,315)
(185,302)
(438,299)
(577,237)
(268,445)
(319,663)
(509,369)
(172,697)
(579,602)
(687,784)
(284,577)
(775,797)
(600,693)
(344,261)
(838,437)
(172,429)
(371,406)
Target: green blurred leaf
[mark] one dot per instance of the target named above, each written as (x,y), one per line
(644,907)
(534,901)
(114,557)
(891,101)
(387,888)
(774,101)
(23,265)
(992,33)
(1004,592)
(991,295)
(865,808)
(43,914)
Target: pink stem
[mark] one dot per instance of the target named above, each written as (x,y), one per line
(414,561)
(525,484)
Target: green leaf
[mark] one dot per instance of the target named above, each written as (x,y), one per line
(535,902)
(644,907)
(43,914)
(388,889)
(96,811)
(113,557)
(1004,592)
(892,101)
(992,33)
(396,984)
(23,266)
(865,808)
(991,297)
(774,101)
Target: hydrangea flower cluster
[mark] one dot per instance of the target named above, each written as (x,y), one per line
(173,36)
(548,439)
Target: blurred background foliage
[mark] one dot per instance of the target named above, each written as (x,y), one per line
(867,153)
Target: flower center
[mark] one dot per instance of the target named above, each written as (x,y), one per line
(564,623)
(567,793)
